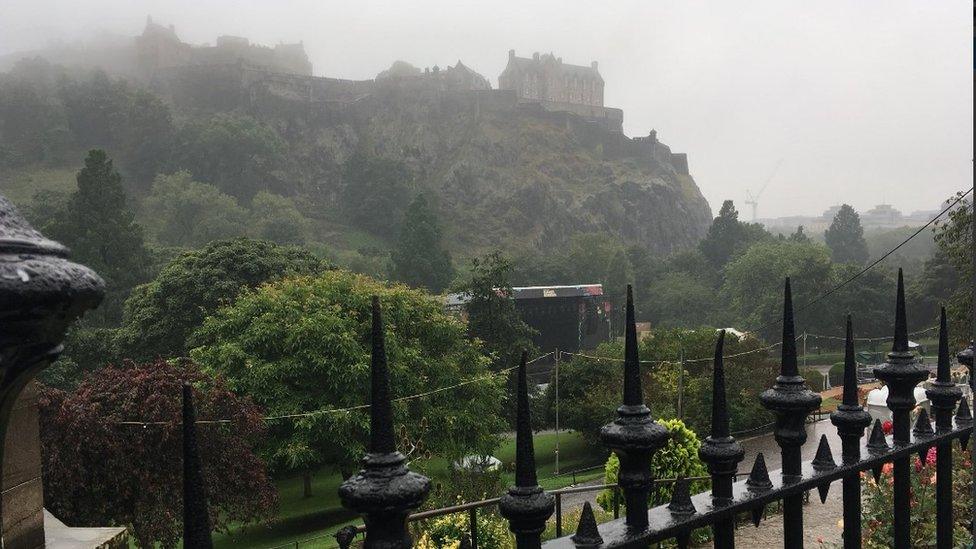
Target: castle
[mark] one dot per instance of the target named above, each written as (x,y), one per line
(547,78)
(160,48)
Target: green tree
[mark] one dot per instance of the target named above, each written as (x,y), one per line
(728,237)
(302,344)
(680,300)
(275,218)
(799,235)
(954,237)
(234,152)
(492,317)
(845,237)
(754,284)
(374,192)
(101,231)
(187,213)
(160,316)
(419,259)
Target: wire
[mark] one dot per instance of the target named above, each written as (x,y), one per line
(883,338)
(330,411)
(663,362)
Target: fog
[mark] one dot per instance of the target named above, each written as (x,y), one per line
(864,102)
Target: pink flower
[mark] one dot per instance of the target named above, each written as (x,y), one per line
(918,465)
(886,468)
(930,456)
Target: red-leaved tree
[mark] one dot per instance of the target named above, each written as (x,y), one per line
(100,471)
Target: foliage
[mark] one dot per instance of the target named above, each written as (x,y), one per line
(754,281)
(445,532)
(188,213)
(234,152)
(302,344)
(374,192)
(160,316)
(954,238)
(678,458)
(727,236)
(86,349)
(845,237)
(33,127)
(101,231)
(275,218)
(492,317)
(98,472)
(466,485)
(419,259)
(590,389)
(682,301)
(878,502)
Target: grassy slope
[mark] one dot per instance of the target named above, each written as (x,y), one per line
(321,515)
(20,185)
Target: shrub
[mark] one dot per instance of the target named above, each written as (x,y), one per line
(446,531)
(678,458)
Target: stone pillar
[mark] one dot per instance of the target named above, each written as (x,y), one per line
(23,497)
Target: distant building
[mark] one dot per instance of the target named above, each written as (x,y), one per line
(546,78)
(883,215)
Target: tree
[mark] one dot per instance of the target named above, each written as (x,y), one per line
(98,471)
(374,192)
(754,284)
(234,152)
(799,235)
(845,237)
(101,231)
(275,218)
(303,344)
(492,317)
(419,258)
(954,237)
(187,213)
(161,315)
(680,300)
(728,237)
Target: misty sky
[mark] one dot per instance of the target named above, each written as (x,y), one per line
(863,101)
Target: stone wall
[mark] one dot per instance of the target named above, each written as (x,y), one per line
(22,490)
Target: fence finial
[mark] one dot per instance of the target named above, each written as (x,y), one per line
(634,435)
(943,393)
(758,480)
(526,505)
(196,514)
(381,439)
(385,490)
(719,450)
(633,394)
(900,343)
(788,367)
(923,425)
(587,534)
(823,461)
(850,418)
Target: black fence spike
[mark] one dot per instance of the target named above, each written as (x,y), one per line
(877,443)
(788,365)
(720,408)
(824,460)
(943,393)
(526,506)
(759,476)
(876,471)
(822,491)
(923,426)
(681,503)
(196,514)
(587,534)
(900,343)
(683,540)
(634,435)
(525,474)
(757,515)
(385,490)
(850,367)
(381,437)
(633,395)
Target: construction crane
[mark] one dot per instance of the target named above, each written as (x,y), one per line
(753,199)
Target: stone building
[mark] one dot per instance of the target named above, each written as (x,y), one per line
(546,78)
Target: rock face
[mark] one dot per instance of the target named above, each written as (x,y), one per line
(525,177)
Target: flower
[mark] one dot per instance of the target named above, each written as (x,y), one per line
(887,467)
(930,456)
(918,465)
(887,427)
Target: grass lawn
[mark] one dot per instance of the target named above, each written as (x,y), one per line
(315,519)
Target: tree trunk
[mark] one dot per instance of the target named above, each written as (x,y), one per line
(307,484)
